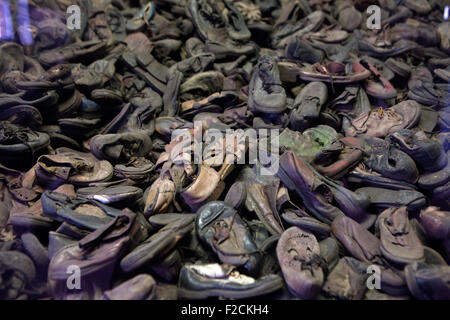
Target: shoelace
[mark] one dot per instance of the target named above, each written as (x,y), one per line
(14,134)
(381,113)
(268,81)
(389,113)
(248,10)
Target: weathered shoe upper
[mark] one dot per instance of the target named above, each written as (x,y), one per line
(389,161)
(199,281)
(426,152)
(72,166)
(266,93)
(307,106)
(380,122)
(298,253)
(436,223)
(221,228)
(398,241)
(96,255)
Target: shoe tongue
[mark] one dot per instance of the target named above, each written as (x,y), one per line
(404,140)
(114,151)
(398,222)
(62,172)
(13,134)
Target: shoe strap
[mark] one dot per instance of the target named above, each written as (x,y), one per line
(112,230)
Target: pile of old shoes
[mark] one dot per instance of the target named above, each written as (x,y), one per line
(193,149)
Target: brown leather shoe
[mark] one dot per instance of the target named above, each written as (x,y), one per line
(365,246)
(96,255)
(69,166)
(208,186)
(262,199)
(381,122)
(160,196)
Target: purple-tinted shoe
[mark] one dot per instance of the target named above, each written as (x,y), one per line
(298,253)
(436,223)
(398,241)
(318,192)
(364,246)
(428,282)
(94,257)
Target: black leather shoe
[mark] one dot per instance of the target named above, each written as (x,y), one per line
(120,148)
(18,145)
(384,198)
(201,281)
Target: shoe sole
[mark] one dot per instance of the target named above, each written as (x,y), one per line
(379,183)
(231,294)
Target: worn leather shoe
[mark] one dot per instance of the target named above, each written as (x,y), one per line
(298,254)
(398,241)
(222,229)
(201,281)
(307,106)
(266,94)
